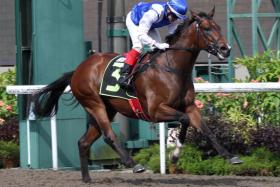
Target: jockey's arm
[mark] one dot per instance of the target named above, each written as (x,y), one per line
(145,24)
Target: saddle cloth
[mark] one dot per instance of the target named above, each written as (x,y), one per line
(110,86)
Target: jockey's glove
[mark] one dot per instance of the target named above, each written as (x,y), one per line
(161,46)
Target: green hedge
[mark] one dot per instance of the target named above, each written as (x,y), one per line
(260,162)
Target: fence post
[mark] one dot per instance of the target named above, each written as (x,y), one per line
(162,148)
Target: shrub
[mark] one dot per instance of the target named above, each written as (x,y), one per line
(8,108)
(249,108)
(229,135)
(9,149)
(8,102)
(9,130)
(188,157)
(262,67)
(266,136)
(149,157)
(236,137)
(260,162)
(8,77)
(9,154)
(212,166)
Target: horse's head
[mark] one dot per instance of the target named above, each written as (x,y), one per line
(208,34)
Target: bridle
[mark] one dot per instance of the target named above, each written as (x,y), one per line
(212,44)
(211,47)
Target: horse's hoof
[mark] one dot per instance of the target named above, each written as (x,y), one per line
(86,179)
(235,160)
(138,168)
(173,158)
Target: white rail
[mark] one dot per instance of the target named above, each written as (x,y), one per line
(199,87)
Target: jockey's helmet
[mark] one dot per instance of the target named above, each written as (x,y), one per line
(178,7)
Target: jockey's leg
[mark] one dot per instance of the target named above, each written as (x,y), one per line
(131,59)
(133,54)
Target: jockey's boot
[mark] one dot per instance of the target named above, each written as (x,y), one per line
(124,81)
(131,59)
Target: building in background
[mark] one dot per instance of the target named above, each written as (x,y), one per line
(7,33)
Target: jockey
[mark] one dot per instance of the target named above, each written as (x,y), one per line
(142,23)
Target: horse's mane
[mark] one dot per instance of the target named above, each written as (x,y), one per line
(172,38)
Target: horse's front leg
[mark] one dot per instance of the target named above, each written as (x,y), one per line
(166,113)
(195,120)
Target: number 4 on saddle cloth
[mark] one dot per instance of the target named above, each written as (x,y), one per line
(110,86)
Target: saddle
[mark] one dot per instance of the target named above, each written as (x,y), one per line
(110,86)
(140,66)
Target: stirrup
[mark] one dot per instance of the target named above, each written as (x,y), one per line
(124,82)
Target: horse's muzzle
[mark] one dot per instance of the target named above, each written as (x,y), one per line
(224,51)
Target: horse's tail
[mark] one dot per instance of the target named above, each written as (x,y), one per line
(46,100)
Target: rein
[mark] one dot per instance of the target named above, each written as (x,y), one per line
(167,67)
(212,48)
(182,49)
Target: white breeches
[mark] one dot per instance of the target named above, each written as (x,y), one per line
(134,33)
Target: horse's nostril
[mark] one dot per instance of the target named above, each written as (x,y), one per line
(224,49)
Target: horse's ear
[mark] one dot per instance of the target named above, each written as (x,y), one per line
(195,15)
(212,12)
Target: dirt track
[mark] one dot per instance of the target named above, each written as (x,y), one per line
(47,178)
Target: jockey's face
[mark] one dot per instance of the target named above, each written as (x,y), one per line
(171,16)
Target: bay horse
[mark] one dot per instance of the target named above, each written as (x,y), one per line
(165,90)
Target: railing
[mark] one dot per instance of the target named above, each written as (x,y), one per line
(199,87)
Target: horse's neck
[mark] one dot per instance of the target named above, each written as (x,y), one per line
(185,59)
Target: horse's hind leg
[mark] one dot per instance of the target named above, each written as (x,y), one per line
(84,144)
(103,118)
(125,158)
(196,121)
